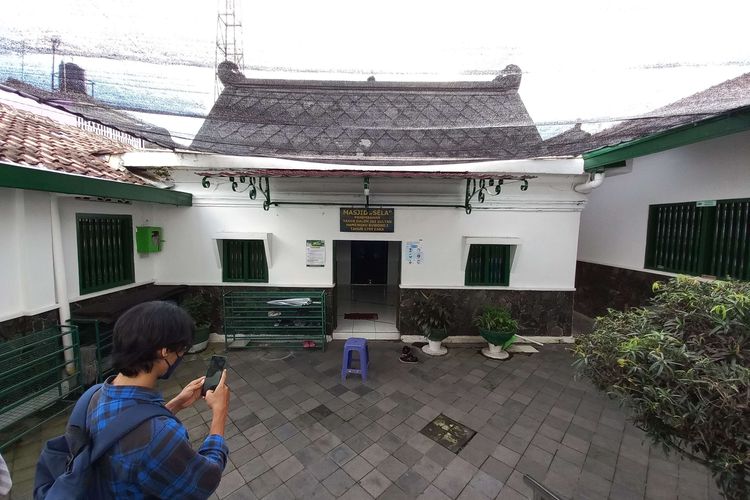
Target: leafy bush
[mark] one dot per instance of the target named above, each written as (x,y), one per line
(433,313)
(682,365)
(496,319)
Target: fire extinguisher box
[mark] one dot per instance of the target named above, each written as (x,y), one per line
(148,239)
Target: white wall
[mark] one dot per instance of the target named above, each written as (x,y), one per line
(545,219)
(27,280)
(615,220)
(142,216)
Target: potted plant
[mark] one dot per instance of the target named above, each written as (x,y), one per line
(432,315)
(199,308)
(499,329)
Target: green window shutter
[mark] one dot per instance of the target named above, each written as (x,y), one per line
(105,251)
(244,261)
(690,239)
(730,256)
(488,265)
(675,235)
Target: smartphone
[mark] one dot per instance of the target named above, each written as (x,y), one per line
(213,374)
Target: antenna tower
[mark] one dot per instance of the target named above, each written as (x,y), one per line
(228,40)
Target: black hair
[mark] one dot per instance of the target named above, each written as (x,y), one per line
(143,330)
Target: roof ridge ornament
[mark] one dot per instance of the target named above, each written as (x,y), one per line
(229,73)
(510,77)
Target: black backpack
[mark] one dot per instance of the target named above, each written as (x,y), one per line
(65,464)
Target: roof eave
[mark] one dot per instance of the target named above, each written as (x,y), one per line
(40,179)
(217,162)
(732,122)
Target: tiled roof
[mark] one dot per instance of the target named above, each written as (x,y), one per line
(32,140)
(374,122)
(93,109)
(568,143)
(719,99)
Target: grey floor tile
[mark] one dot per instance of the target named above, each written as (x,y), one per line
(357,468)
(375,483)
(288,468)
(338,483)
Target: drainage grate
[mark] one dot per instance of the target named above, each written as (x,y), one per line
(448,433)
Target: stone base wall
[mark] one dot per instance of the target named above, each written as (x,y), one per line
(17,327)
(600,287)
(539,313)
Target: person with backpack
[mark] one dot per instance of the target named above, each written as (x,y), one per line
(129,443)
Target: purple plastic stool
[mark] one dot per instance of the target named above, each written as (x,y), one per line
(359,345)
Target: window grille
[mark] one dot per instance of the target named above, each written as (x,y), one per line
(105,251)
(244,261)
(488,265)
(700,238)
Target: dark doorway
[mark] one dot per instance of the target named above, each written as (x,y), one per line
(369,262)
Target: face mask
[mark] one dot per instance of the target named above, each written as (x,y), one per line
(171,368)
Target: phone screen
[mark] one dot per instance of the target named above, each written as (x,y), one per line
(213,374)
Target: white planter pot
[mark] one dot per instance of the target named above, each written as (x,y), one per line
(200,346)
(495,352)
(435,348)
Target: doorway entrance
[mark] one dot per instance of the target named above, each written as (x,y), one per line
(366,277)
(369,262)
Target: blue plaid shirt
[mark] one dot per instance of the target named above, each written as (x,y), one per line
(155,460)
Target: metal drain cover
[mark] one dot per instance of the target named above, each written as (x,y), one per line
(448,433)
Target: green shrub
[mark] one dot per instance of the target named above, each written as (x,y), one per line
(433,312)
(682,365)
(496,319)
(199,306)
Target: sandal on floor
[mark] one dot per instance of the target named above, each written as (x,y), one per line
(408,358)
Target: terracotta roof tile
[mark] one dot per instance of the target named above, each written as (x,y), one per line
(36,141)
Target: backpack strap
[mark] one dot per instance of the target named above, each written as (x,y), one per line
(78,417)
(123,424)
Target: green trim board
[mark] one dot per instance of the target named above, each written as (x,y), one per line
(39,179)
(710,128)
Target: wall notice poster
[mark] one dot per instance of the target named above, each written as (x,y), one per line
(315,251)
(366,220)
(414,253)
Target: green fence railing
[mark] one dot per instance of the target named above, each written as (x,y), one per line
(36,383)
(275,319)
(96,349)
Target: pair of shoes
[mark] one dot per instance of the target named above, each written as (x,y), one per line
(308,344)
(408,358)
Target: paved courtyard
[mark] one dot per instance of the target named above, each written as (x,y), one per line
(297,432)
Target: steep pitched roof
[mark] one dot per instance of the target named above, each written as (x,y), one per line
(28,139)
(714,101)
(568,143)
(93,109)
(386,123)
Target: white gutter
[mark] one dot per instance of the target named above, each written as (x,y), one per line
(61,282)
(594,182)
(210,161)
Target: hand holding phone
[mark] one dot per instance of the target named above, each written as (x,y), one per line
(213,375)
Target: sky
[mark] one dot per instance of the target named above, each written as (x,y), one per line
(590,61)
